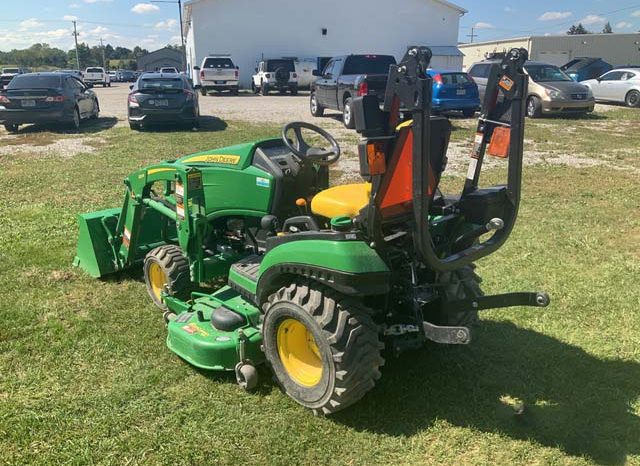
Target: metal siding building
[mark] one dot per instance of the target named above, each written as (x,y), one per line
(617,49)
(160,58)
(249,30)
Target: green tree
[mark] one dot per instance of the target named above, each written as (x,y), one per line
(607,28)
(579,29)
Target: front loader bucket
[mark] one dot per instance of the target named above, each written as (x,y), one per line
(96,254)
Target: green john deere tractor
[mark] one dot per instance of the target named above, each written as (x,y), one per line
(320,280)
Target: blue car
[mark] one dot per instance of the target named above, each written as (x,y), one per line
(454,90)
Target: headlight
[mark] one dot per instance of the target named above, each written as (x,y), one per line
(553,93)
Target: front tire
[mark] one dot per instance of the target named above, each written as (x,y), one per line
(317,110)
(347,114)
(534,107)
(166,269)
(632,99)
(323,348)
(264,89)
(11,127)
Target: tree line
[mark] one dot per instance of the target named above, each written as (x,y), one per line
(580,29)
(45,56)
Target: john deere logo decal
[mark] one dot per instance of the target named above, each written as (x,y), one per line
(214,158)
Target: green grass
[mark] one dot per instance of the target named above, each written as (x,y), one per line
(85,376)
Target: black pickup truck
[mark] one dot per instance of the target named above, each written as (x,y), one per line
(346,77)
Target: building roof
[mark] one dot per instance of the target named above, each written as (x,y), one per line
(186,21)
(565,36)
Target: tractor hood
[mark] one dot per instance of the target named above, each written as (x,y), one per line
(236,157)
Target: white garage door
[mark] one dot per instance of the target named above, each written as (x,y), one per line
(555,57)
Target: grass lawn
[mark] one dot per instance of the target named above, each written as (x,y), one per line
(85,376)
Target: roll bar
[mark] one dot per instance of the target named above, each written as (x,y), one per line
(409,88)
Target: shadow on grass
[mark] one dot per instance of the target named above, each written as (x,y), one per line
(208,124)
(573,400)
(86,127)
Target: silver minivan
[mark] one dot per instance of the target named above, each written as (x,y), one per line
(551,90)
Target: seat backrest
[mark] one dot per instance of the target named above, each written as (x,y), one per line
(394,198)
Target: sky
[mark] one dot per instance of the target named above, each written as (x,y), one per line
(129,23)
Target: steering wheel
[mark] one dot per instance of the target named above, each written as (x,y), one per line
(304,151)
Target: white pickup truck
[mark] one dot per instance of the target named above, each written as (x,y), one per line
(97,75)
(218,73)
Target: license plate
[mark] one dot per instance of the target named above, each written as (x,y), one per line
(221,82)
(29,103)
(461,92)
(162,103)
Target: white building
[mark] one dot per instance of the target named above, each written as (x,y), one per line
(249,30)
(617,49)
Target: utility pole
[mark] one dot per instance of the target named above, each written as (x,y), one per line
(104,63)
(75,36)
(184,50)
(472,35)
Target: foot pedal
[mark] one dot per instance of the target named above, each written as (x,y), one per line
(447,335)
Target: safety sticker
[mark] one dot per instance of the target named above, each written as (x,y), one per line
(126,237)
(179,189)
(472,169)
(180,211)
(193,329)
(506,83)
(263,182)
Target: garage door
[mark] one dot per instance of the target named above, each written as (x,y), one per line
(554,57)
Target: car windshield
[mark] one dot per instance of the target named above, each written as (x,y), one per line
(27,81)
(94,70)
(163,84)
(368,64)
(546,73)
(274,65)
(11,70)
(218,63)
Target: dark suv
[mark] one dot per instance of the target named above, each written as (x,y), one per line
(583,68)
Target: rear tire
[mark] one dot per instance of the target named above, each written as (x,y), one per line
(632,99)
(203,91)
(294,91)
(347,114)
(134,126)
(317,110)
(534,107)
(11,127)
(463,283)
(468,113)
(323,348)
(166,269)
(264,89)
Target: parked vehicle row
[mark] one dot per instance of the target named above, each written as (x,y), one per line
(52,97)
(619,86)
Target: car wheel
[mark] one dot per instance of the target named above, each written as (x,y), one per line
(254,88)
(317,110)
(96,111)
(11,127)
(203,91)
(75,122)
(632,99)
(468,113)
(235,91)
(109,84)
(134,126)
(264,89)
(104,84)
(534,107)
(347,114)
(294,91)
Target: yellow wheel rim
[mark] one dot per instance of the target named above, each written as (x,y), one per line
(157,279)
(299,353)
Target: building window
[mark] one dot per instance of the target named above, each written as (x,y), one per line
(324,31)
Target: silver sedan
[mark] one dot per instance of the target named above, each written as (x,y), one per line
(619,85)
